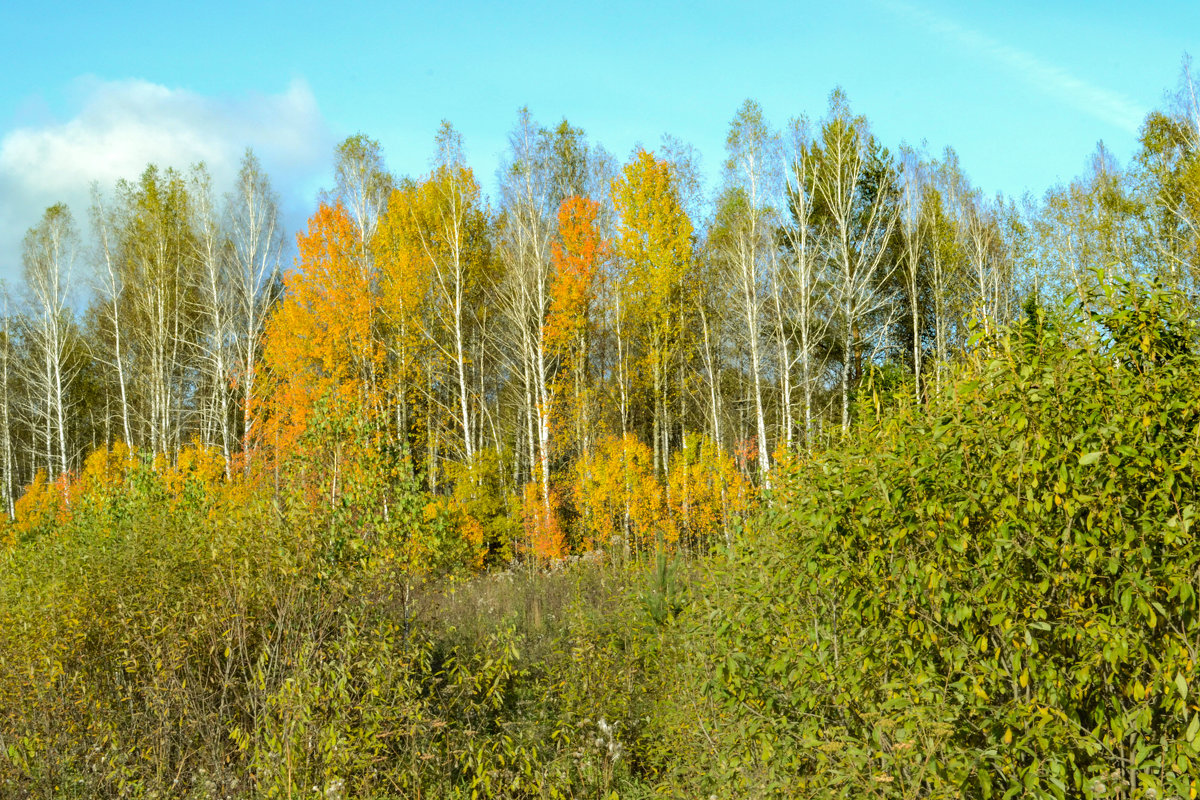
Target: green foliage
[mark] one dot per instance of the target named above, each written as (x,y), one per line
(662,599)
(995,597)
(349,482)
(123,645)
(167,644)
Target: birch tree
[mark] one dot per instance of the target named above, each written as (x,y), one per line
(808,289)
(217,306)
(912,237)
(403,274)
(654,246)
(362,185)
(110,280)
(156,248)
(49,253)
(947,267)
(855,196)
(252,218)
(452,228)
(751,177)
(528,188)
(1167,170)
(7,461)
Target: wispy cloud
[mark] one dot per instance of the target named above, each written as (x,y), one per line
(1102,104)
(124,125)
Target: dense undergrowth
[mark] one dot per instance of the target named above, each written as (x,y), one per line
(994,594)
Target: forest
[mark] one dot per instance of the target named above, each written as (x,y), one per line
(841,480)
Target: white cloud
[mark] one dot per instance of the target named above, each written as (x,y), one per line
(1097,102)
(122,126)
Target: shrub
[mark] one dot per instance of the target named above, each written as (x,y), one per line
(994,596)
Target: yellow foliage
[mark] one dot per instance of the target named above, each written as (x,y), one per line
(483,508)
(106,469)
(619,499)
(197,476)
(198,467)
(706,490)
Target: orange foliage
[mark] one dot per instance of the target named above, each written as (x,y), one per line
(44,503)
(543,532)
(321,341)
(40,506)
(576,258)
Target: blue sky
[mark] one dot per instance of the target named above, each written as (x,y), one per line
(1022,90)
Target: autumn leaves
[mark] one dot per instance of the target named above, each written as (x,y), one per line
(531,379)
(526,340)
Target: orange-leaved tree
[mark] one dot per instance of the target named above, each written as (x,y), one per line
(321,341)
(559,358)
(545,539)
(576,257)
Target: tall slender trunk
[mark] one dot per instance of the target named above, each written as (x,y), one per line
(543,416)
(113,290)
(6,453)
(461,366)
(847,354)
(60,415)
(713,378)
(656,413)
(751,308)
(219,326)
(431,447)
(622,372)
(915,308)
(783,355)
(582,422)
(530,410)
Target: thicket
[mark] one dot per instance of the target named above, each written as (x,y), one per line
(995,596)
(168,634)
(993,593)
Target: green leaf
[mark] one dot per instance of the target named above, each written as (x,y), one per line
(1087,459)
(1181,685)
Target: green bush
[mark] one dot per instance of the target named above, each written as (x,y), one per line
(996,596)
